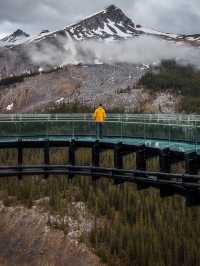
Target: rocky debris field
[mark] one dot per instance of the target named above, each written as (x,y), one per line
(31,237)
(114,86)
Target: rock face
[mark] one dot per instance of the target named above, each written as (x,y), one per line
(115,86)
(194,39)
(28,238)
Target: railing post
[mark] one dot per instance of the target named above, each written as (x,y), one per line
(121,127)
(196,136)
(144,131)
(73,130)
(169,137)
(20,156)
(47,127)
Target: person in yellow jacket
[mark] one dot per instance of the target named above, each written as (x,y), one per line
(99,117)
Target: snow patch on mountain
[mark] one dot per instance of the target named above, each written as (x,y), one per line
(155,32)
(60,100)
(10,107)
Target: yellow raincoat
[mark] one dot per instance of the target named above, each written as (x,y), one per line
(99,115)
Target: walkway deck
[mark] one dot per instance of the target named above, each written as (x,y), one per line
(179,146)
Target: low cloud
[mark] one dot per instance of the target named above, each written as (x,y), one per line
(141,50)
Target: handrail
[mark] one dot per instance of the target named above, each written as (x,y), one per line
(119,117)
(172,127)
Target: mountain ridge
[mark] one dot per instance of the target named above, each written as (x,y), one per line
(16,37)
(48,50)
(109,24)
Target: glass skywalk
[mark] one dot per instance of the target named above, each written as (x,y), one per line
(177,132)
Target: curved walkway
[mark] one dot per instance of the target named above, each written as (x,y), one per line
(170,138)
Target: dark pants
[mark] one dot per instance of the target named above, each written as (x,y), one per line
(99,130)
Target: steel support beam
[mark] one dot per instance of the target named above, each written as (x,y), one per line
(187,184)
(192,198)
(96,158)
(46,155)
(72,155)
(165,167)
(141,158)
(191,163)
(191,167)
(165,161)
(118,161)
(118,156)
(141,165)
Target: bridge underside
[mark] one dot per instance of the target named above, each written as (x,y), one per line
(168,153)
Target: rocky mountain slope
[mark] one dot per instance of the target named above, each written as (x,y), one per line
(115,86)
(193,39)
(58,65)
(86,84)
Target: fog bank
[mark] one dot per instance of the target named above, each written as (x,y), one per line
(140,50)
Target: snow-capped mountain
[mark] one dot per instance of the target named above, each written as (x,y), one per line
(109,23)
(15,38)
(21,53)
(21,38)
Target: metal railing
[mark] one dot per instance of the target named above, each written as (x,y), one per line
(172,127)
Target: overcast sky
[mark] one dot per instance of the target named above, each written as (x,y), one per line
(178,16)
